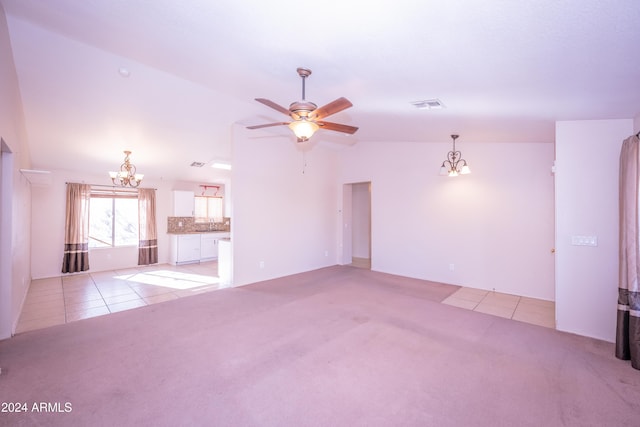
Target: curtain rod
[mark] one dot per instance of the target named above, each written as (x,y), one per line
(114,187)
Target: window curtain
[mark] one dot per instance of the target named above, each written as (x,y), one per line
(76,238)
(148,235)
(628,322)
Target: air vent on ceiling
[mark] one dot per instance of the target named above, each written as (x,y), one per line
(428,104)
(197,164)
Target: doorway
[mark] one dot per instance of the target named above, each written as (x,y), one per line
(356,237)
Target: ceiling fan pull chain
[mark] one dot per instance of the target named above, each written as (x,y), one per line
(304,162)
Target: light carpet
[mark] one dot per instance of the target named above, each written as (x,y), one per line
(338,346)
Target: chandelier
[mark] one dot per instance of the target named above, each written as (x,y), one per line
(127,174)
(454,165)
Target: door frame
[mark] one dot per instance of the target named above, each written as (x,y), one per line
(346,227)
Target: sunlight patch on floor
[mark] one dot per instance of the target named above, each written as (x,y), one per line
(171,279)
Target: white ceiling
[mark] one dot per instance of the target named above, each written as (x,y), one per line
(506,71)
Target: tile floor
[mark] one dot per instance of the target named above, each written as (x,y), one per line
(361,263)
(523,309)
(64,299)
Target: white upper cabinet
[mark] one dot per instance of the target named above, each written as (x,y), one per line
(183,203)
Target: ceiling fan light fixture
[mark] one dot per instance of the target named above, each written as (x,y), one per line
(303,129)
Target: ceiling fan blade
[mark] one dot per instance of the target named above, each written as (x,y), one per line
(337,127)
(273,105)
(332,108)
(267,125)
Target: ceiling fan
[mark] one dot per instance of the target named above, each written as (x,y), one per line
(306,117)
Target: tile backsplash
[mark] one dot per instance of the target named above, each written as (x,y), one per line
(187,224)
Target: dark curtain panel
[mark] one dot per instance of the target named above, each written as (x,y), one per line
(628,327)
(76,238)
(148,245)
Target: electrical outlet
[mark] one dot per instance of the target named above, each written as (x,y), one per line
(261,264)
(452,267)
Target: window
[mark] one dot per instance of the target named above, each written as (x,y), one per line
(113,218)
(208,209)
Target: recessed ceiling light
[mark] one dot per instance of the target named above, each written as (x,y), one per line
(124,72)
(220,165)
(428,104)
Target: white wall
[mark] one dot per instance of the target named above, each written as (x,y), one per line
(587,166)
(14,215)
(495,225)
(283,217)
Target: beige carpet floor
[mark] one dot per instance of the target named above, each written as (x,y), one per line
(339,346)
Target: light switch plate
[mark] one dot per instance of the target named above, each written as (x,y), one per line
(584,240)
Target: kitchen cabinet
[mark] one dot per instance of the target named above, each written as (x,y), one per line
(208,247)
(183,203)
(195,247)
(185,248)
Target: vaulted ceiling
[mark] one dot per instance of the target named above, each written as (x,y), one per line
(168,80)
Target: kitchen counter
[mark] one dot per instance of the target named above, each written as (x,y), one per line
(198,232)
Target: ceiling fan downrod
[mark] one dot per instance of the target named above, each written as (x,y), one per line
(304,73)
